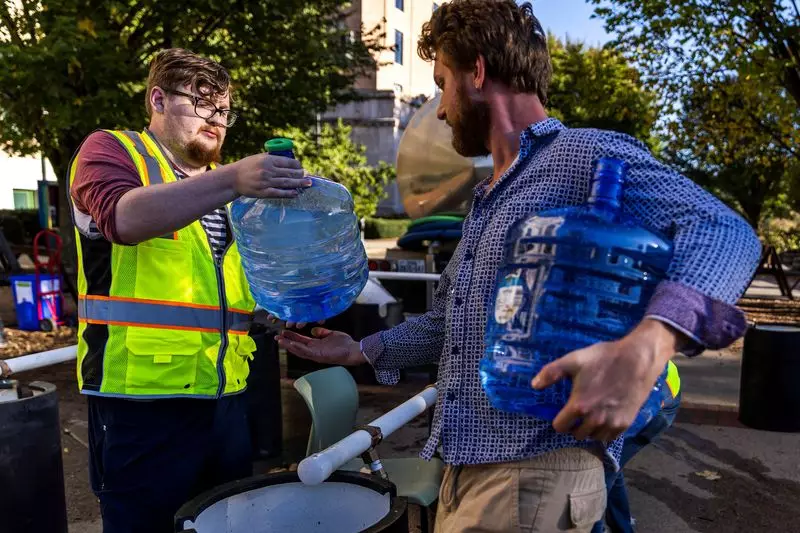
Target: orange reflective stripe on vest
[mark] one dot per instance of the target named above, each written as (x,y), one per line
(156,314)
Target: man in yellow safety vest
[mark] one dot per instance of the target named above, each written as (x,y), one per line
(164,306)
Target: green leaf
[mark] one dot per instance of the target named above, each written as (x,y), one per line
(333,155)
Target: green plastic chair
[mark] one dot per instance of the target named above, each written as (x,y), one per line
(332,398)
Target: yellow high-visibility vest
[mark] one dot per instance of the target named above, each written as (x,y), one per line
(162,318)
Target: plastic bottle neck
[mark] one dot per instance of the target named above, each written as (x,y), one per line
(280,146)
(283,153)
(607,186)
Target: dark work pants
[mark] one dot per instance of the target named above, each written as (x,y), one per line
(148,458)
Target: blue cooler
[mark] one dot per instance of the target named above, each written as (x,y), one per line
(27,297)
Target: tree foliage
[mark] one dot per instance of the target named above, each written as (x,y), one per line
(713,141)
(599,88)
(677,42)
(68,67)
(332,154)
(728,74)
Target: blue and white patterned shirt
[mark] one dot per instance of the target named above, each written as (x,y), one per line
(715,254)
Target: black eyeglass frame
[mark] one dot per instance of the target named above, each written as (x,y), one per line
(229,115)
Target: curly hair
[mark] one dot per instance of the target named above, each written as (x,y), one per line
(507,35)
(174,67)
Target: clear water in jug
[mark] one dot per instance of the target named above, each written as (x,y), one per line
(303,256)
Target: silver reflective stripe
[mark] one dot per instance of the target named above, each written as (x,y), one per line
(153,168)
(157,314)
(238,321)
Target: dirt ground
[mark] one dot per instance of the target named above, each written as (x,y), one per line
(20,342)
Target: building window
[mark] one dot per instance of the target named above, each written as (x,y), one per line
(435,6)
(24,199)
(399,4)
(398,47)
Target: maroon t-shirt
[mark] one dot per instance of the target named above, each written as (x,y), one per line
(105,172)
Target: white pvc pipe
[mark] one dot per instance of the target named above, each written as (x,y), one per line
(41,359)
(409,276)
(316,468)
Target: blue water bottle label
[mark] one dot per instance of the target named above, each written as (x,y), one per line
(510,295)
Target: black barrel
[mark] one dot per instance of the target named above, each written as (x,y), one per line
(769,396)
(31,469)
(348,502)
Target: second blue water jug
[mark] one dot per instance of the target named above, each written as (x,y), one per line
(303,256)
(570,278)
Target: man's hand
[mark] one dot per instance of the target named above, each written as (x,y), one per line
(268,176)
(326,346)
(610,380)
(143,213)
(298,325)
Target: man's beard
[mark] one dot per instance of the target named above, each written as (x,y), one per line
(470,127)
(202,156)
(195,152)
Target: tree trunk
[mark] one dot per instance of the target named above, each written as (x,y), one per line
(752,212)
(783,44)
(753,198)
(791,81)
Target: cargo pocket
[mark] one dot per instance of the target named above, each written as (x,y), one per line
(164,270)
(587,508)
(161,361)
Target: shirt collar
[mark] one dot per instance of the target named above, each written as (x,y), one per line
(532,133)
(527,139)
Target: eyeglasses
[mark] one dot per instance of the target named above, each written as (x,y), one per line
(206,110)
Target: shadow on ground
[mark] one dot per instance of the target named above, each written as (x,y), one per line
(744,498)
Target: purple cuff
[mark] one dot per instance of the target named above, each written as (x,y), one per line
(709,323)
(372,347)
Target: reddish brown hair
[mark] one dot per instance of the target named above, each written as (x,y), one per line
(508,36)
(175,67)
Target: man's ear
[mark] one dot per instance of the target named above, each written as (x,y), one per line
(480,72)
(157,99)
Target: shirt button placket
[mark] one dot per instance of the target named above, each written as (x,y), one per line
(456,361)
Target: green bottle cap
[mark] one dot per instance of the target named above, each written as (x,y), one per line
(278,144)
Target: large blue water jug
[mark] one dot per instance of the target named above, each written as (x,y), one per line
(570,277)
(303,256)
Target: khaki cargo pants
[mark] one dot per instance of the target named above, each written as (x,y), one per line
(563,490)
